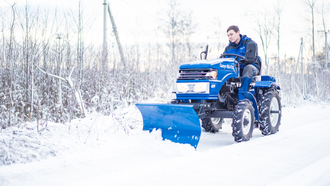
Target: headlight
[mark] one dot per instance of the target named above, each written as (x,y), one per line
(184,88)
(213,74)
(200,87)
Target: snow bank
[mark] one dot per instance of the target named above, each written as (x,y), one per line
(22,145)
(29,142)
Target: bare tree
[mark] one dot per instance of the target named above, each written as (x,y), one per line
(80,45)
(9,64)
(3,51)
(323,16)
(69,82)
(218,35)
(311,5)
(264,22)
(188,30)
(29,44)
(326,48)
(179,25)
(278,11)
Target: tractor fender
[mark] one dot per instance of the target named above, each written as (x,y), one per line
(252,98)
(267,82)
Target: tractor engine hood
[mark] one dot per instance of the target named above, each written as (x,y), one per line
(206,64)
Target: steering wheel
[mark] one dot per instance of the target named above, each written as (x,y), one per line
(234,55)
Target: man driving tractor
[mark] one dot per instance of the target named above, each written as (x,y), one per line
(208,91)
(244,46)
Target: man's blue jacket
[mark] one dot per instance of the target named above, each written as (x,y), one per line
(241,49)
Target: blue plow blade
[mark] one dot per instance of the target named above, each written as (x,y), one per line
(179,123)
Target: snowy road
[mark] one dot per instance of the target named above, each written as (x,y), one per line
(298,155)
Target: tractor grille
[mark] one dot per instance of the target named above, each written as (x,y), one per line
(194,74)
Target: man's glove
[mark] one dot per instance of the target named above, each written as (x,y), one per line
(247,61)
(242,61)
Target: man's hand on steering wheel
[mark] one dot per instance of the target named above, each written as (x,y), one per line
(241,60)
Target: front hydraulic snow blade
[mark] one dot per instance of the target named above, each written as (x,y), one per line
(179,123)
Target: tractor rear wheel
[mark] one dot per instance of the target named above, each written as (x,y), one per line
(270,112)
(243,121)
(212,124)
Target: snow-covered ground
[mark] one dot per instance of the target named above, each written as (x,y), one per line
(113,150)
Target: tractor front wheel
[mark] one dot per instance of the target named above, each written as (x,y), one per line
(243,121)
(212,124)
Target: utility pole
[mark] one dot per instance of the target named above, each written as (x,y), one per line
(300,60)
(326,46)
(302,64)
(105,44)
(120,48)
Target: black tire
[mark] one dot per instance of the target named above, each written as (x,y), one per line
(243,121)
(270,112)
(212,124)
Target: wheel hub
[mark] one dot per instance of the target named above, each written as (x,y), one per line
(274,112)
(246,123)
(215,120)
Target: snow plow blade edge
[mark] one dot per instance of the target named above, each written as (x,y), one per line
(178,123)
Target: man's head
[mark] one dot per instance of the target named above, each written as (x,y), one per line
(233,34)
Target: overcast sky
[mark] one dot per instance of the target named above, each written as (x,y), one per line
(137,20)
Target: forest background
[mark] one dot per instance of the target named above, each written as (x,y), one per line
(57,62)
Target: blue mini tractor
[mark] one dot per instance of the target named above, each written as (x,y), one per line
(207,92)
